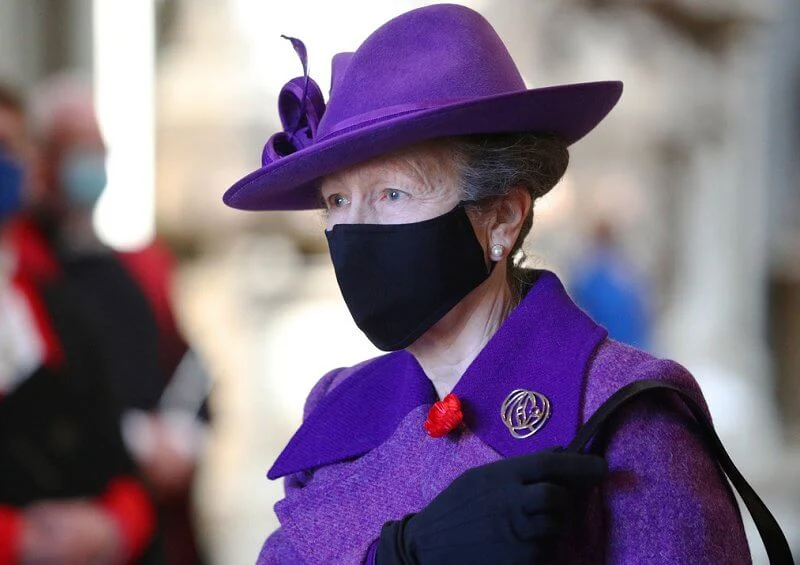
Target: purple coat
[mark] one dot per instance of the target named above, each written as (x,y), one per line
(362,457)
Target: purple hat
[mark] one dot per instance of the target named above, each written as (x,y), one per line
(432,72)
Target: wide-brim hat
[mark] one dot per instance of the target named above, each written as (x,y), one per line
(433,72)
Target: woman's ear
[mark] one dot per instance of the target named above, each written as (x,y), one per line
(510,212)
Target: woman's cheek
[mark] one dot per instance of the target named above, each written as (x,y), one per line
(333,216)
(401,213)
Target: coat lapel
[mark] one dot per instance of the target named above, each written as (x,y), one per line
(544,346)
(358,415)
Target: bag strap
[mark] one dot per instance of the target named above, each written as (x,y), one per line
(771,534)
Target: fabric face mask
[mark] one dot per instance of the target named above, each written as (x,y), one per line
(83,177)
(398,280)
(10,186)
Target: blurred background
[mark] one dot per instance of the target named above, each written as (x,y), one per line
(677,225)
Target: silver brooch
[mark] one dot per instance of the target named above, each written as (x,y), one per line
(524,412)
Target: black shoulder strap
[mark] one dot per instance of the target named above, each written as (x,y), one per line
(771,534)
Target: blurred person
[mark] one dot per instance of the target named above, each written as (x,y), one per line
(427,160)
(69,492)
(606,284)
(129,294)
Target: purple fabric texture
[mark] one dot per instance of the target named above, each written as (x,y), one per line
(436,71)
(664,501)
(366,409)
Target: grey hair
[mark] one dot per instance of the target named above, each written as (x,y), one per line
(490,166)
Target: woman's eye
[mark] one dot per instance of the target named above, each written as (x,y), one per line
(392,194)
(336,201)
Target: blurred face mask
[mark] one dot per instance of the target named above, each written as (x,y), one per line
(83,177)
(10,186)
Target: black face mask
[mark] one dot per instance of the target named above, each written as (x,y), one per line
(398,280)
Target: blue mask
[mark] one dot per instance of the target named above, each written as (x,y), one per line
(10,186)
(83,177)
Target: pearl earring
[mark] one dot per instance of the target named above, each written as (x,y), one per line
(497,251)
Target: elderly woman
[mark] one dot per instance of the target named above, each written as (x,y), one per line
(428,160)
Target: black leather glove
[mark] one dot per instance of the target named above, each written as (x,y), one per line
(507,512)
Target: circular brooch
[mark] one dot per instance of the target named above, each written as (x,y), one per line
(524,412)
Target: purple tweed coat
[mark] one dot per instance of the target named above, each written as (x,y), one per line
(362,457)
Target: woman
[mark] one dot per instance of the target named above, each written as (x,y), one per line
(428,159)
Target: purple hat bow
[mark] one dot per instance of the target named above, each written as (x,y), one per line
(300,106)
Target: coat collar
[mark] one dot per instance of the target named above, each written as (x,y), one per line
(544,346)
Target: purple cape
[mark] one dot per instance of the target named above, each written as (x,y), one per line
(362,457)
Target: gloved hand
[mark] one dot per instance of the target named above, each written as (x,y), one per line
(509,511)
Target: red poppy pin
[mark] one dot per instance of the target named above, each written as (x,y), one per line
(444,416)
